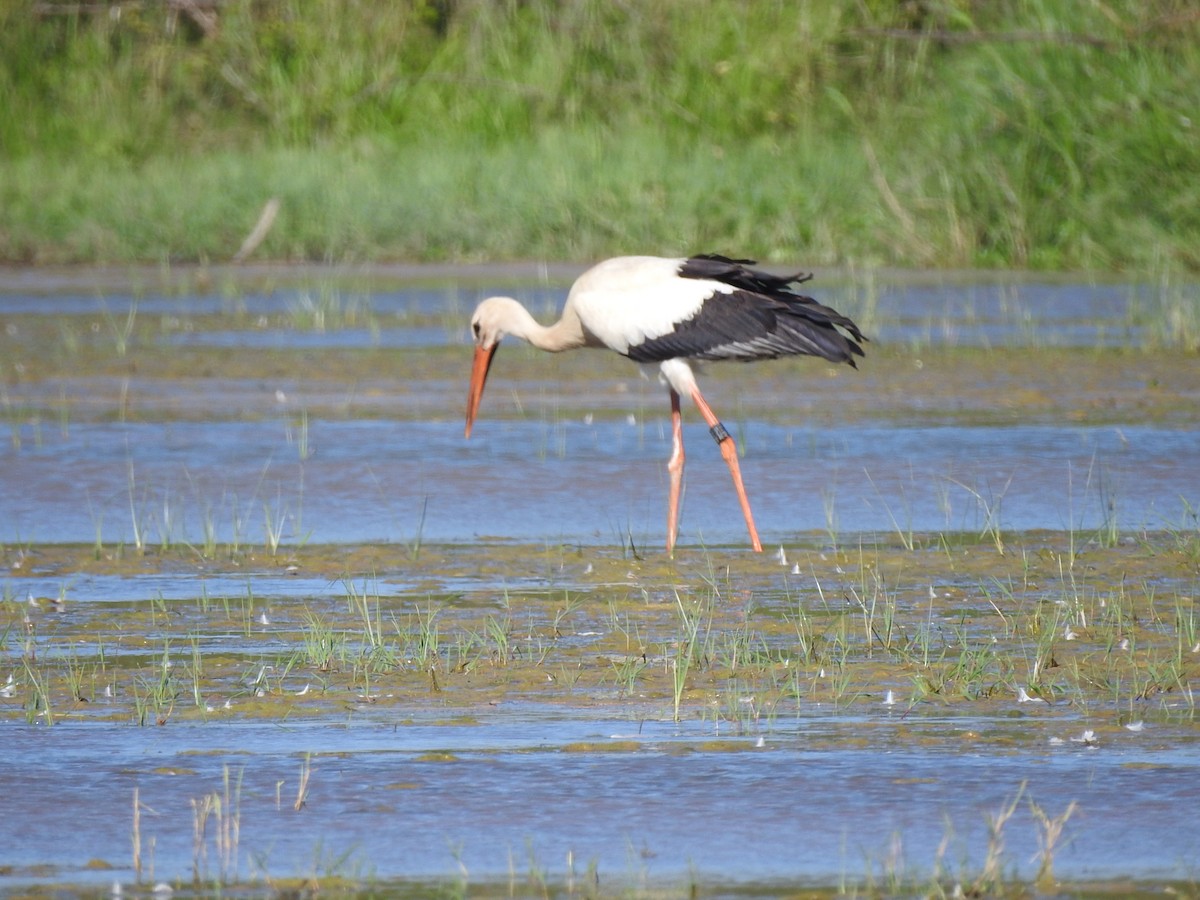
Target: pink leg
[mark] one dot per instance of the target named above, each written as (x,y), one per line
(729,452)
(675,470)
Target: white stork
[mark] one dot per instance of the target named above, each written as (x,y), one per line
(669,312)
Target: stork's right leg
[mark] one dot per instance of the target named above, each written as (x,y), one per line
(729,452)
(675,470)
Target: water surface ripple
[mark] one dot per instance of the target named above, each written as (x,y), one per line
(407,799)
(580,483)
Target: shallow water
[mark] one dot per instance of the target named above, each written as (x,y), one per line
(935,309)
(414,799)
(580,483)
(412,784)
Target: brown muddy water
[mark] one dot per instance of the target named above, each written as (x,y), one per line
(268,621)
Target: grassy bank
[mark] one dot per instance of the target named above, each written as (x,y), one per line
(1046,134)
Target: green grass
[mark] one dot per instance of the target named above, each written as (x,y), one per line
(1045,134)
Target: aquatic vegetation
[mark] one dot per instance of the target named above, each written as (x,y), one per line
(1047,642)
(223,809)
(1116,637)
(122,331)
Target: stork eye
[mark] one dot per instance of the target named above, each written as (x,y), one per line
(475,328)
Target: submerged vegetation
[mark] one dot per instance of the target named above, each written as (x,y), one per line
(1043,134)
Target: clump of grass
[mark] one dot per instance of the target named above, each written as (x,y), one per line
(155,692)
(37,697)
(329,310)
(223,809)
(121,329)
(324,647)
(691,646)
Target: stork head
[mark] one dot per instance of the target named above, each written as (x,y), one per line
(491,321)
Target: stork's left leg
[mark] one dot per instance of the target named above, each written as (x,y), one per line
(729,452)
(675,470)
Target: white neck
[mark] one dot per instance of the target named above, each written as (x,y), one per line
(565,334)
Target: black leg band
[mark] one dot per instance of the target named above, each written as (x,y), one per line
(718,432)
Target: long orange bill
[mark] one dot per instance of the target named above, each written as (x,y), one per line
(479,374)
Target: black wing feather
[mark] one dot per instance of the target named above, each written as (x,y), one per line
(762,318)
(735,273)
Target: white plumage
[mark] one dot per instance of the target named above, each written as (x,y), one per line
(666,312)
(627,300)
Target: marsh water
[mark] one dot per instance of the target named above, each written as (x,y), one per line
(180,444)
